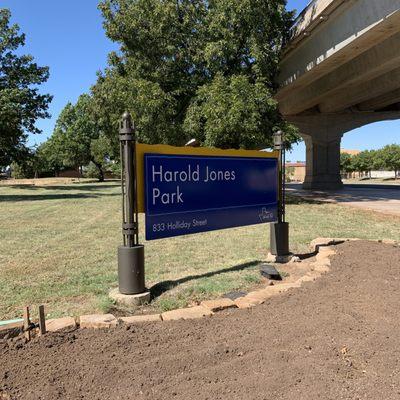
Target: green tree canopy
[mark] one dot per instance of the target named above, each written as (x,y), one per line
(34,164)
(346,164)
(21,104)
(194,68)
(364,161)
(74,131)
(386,158)
(391,158)
(77,139)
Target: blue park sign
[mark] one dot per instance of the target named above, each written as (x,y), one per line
(187,194)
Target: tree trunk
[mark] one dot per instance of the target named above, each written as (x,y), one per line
(101,172)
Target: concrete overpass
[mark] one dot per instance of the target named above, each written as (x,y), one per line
(340,71)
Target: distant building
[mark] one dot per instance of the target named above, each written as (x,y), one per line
(296,171)
(70,173)
(351,152)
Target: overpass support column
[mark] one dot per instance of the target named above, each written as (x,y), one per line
(323,162)
(322,134)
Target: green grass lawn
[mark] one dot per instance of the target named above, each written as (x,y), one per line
(58,247)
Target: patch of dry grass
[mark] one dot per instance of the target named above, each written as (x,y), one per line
(58,247)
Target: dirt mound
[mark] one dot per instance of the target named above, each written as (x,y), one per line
(336,338)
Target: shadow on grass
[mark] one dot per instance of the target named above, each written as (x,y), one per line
(61,196)
(159,288)
(296,200)
(76,187)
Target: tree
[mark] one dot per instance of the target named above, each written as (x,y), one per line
(377,160)
(346,163)
(50,153)
(77,139)
(391,158)
(290,173)
(364,161)
(101,153)
(151,109)
(203,68)
(33,164)
(20,102)
(73,133)
(234,113)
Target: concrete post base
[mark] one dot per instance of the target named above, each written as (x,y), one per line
(130,301)
(273,258)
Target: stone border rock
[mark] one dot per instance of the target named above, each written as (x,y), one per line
(322,247)
(56,324)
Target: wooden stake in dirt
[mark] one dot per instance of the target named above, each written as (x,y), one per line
(42,320)
(27,331)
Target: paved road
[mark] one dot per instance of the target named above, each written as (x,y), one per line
(380,198)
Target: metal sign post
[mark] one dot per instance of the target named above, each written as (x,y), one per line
(131,253)
(279,231)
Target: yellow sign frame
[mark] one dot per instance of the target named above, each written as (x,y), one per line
(142,149)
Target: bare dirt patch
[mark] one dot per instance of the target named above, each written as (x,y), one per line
(335,338)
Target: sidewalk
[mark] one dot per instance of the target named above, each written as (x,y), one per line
(380,198)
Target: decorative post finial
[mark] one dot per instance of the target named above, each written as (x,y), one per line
(126,125)
(278,140)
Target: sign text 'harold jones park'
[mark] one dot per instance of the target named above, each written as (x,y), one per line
(189,190)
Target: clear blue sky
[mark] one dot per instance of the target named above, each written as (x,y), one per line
(69,38)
